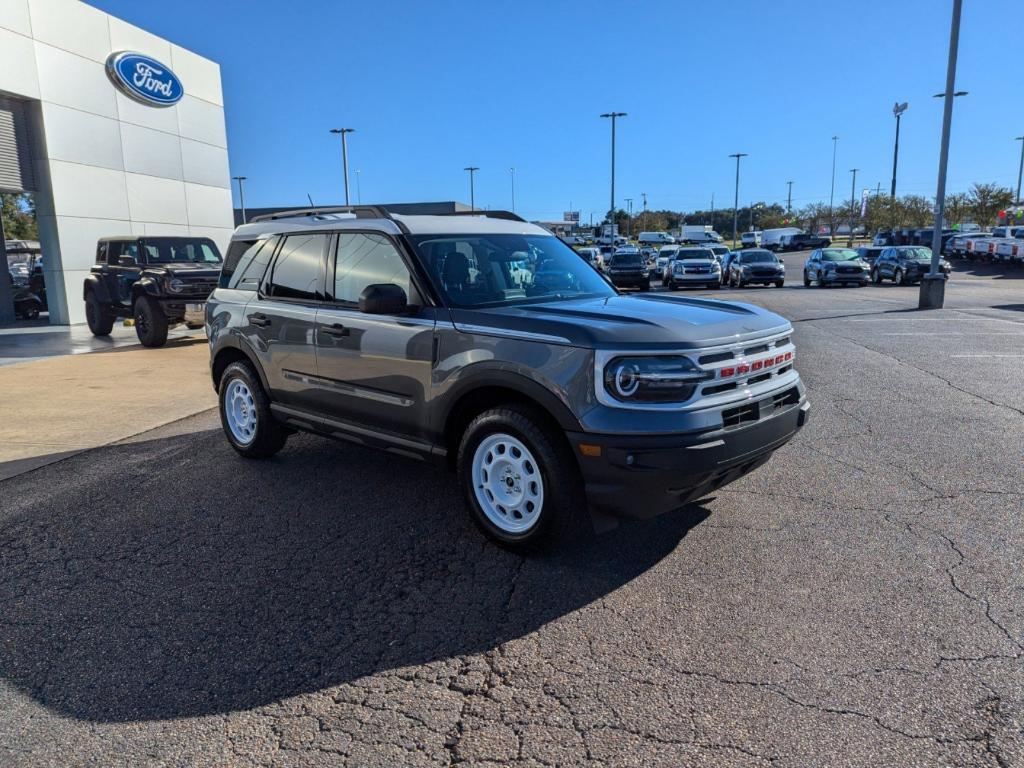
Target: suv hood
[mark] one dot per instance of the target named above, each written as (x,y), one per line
(185,269)
(643,321)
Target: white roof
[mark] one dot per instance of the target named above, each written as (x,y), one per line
(448,225)
(417,225)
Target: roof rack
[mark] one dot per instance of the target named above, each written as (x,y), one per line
(360,212)
(506,215)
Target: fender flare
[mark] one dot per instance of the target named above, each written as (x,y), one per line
(96,285)
(240,345)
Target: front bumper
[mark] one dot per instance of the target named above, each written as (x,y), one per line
(641,476)
(860,278)
(699,278)
(626,279)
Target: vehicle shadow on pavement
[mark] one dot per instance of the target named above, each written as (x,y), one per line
(171,578)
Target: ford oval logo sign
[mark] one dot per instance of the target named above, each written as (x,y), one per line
(144,79)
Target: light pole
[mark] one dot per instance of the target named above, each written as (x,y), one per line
(853,196)
(512,173)
(343,132)
(1020,171)
(359,189)
(789,198)
(897,110)
(629,221)
(933,286)
(472,192)
(736,199)
(241,194)
(614,116)
(644,220)
(832,195)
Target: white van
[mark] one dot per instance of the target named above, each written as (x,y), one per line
(751,239)
(655,238)
(770,238)
(698,233)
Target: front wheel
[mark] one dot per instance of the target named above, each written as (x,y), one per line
(518,477)
(101,321)
(898,278)
(876,278)
(150,322)
(779,283)
(807,280)
(245,413)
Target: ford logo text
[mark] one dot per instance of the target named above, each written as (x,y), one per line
(144,79)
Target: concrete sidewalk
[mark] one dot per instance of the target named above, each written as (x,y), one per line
(60,406)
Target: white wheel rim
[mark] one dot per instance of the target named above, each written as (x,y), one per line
(240,409)
(507,482)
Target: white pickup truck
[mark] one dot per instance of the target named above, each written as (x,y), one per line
(1002,241)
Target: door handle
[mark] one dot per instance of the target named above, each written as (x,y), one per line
(337,330)
(259,320)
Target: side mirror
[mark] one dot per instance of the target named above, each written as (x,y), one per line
(126,261)
(383,299)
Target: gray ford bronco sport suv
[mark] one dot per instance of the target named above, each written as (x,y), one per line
(487,343)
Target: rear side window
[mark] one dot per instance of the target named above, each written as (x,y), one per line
(297,269)
(245,263)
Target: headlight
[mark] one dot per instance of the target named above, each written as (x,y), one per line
(745,268)
(174,285)
(668,379)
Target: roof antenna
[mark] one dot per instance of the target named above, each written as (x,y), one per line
(311,205)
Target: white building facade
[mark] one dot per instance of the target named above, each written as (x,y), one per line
(99,161)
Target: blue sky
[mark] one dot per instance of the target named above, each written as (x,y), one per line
(432,87)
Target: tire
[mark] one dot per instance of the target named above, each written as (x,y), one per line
(31,313)
(100,320)
(876,278)
(807,280)
(671,285)
(556,502)
(779,283)
(740,283)
(150,322)
(245,414)
(898,277)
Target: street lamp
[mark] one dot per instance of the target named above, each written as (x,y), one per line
(629,221)
(472,192)
(512,173)
(1020,171)
(832,195)
(241,194)
(644,220)
(614,116)
(789,198)
(897,111)
(344,154)
(736,200)
(853,197)
(933,286)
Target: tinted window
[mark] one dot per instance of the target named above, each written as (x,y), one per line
(366,260)
(245,263)
(758,257)
(296,271)
(236,250)
(167,250)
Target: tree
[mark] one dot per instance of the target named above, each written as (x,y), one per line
(957,207)
(916,211)
(986,200)
(19,219)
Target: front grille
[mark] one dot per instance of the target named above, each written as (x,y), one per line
(764,273)
(789,397)
(742,414)
(849,270)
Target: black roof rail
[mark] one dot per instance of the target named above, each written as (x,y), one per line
(507,215)
(360,211)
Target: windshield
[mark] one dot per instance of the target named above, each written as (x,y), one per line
(699,254)
(916,254)
(498,270)
(839,254)
(175,250)
(758,257)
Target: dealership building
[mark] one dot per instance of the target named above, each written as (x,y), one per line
(114,130)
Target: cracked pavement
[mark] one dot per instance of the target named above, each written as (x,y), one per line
(858,601)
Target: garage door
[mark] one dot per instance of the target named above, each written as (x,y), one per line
(16,171)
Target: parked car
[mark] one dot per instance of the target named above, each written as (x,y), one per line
(698,234)
(975,246)
(718,250)
(836,266)
(27,305)
(869,253)
(1010,251)
(756,266)
(803,242)
(770,237)
(406,333)
(750,239)
(158,281)
(591,255)
(649,253)
(628,269)
(665,255)
(655,238)
(905,264)
(956,246)
(693,266)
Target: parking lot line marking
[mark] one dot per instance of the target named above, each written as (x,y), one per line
(960,356)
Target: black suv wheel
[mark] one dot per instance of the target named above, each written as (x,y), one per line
(150,322)
(520,482)
(245,413)
(100,320)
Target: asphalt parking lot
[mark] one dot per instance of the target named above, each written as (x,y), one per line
(858,601)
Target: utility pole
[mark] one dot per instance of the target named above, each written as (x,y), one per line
(241,195)
(789,198)
(611,211)
(897,110)
(736,199)
(644,196)
(472,192)
(832,195)
(1020,170)
(343,132)
(853,194)
(512,173)
(629,221)
(933,286)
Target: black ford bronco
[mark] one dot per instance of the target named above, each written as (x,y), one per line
(486,342)
(157,281)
